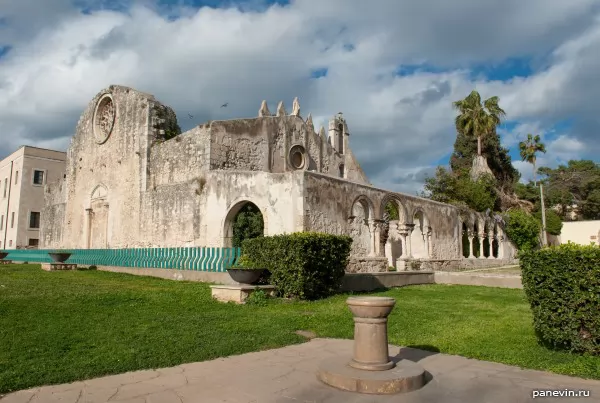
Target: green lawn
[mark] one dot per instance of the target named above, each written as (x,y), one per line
(60,327)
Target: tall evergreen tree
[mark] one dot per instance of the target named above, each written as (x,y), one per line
(498,159)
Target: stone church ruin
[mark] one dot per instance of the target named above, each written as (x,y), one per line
(134,181)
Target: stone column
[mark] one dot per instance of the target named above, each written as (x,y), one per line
(491,245)
(403,233)
(501,247)
(370,332)
(427,236)
(470,235)
(409,230)
(379,248)
(371,225)
(88,227)
(482,237)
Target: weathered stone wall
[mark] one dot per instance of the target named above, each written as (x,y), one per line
(264,144)
(53,214)
(112,157)
(278,196)
(171,216)
(180,159)
(330,202)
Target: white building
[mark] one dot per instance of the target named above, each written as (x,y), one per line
(23,175)
(581,232)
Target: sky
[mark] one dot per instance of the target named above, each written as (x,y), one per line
(393,67)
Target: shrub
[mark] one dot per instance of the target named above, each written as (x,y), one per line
(258,298)
(303,265)
(248,224)
(523,229)
(562,285)
(553,222)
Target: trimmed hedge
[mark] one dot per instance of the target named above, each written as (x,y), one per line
(303,265)
(562,285)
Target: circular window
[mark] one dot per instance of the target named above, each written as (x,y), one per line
(297,157)
(104,118)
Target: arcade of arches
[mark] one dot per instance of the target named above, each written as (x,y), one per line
(402,235)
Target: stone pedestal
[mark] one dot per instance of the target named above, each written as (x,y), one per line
(4,261)
(238,293)
(58,266)
(371,370)
(370,332)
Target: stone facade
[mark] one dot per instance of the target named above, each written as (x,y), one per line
(127,187)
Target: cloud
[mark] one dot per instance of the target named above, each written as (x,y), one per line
(400,125)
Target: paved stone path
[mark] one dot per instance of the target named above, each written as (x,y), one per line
(488,278)
(287,375)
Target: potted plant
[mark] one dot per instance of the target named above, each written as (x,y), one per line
(244,272)
(3,254)
(60,256)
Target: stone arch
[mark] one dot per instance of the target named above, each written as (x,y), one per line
(366,203)
(420,236)
(495,245)
(465,241)
(97,218)
(232,212)
(485,242)
(402,210)
(359,223)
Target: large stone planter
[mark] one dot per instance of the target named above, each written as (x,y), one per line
(59,257)
(245,276)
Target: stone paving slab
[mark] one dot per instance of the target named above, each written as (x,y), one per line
(288,375)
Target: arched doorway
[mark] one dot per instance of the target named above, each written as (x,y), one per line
(244,221)
(97,213)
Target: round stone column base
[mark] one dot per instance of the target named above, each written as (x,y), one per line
(406,376)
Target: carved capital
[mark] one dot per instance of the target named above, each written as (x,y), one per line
(375,225)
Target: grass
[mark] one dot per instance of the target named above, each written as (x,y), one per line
(58,327)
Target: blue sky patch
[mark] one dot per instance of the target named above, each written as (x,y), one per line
(4,50)
(504,71)
(410,69)
(318,73)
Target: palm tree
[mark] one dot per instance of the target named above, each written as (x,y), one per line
(478,119)
(528,150)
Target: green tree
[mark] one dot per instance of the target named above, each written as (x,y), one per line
(553,221)
(498,159)
(446,187)
(477,119)
(523,229)
(248,224)
(528,150)
(576,183)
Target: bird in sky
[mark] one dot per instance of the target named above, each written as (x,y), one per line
(225,105)
(190,116)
